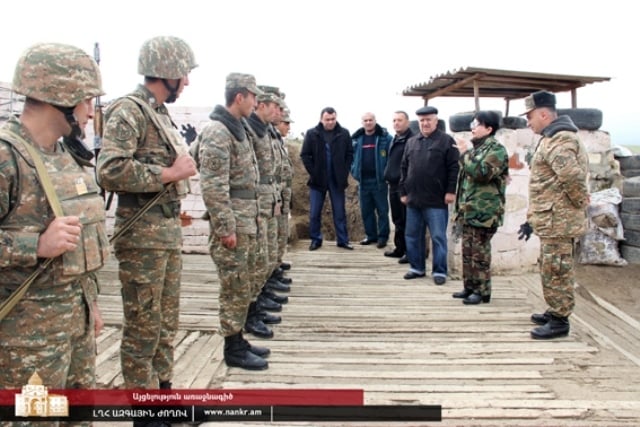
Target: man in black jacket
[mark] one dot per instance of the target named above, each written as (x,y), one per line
(392,176)
(428,180)
(327,154)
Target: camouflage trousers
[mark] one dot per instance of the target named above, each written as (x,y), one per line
(476,258)
(283,237)
(283,225)
(236,269)
(267,251)
(150,281)
(49,332)
(557,274)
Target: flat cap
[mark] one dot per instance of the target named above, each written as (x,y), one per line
(539,99)
(426,110)
(240,81)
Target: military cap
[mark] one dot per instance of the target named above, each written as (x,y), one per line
(267,97)
(243,81)
(270,89)
(539,99)
(286,116)
(426,110)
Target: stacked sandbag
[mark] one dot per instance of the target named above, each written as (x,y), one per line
(630,208)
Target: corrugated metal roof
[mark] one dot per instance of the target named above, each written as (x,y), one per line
(486,82)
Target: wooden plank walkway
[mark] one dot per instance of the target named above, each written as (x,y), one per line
(353,322)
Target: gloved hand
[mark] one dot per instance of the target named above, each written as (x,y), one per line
(189,133)
(525,232)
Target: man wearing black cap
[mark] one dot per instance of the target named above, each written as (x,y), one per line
(558,198)
(428,178)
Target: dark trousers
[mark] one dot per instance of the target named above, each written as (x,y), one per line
(339,214)
(399,218)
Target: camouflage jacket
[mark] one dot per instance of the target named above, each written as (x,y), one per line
(267,156)
(482,183)
(130,163)
(228,175)
(558,191)
(25,213)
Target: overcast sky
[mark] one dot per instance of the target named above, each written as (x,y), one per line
(353,55)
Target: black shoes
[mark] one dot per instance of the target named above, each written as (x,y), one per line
(462,294)
(439,280)
(381,244)
(276,285)
(403,260)
(541,318)
(285,266)
(346,246)
(554,328)
(367,241)
(314,245)
(393,254)
(411,275)
(237,353)
(257,327)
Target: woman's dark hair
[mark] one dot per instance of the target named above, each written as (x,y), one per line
(488,119)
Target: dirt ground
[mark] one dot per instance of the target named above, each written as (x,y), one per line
(619,286)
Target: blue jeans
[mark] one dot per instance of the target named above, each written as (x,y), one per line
(374,208)
(339,214)
(418,219)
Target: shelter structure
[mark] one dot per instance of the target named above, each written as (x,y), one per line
(491,83)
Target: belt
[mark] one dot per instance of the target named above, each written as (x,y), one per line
(267,179)
(243,194)
(138,200)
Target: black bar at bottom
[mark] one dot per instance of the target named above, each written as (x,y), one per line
(377,413)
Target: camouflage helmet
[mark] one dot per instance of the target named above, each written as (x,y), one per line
(166,57)
(57,74)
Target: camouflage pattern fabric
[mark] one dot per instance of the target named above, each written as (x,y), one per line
(557,274)
(151,302)
(229,179)
(482,182)
(50,330)
(75,79)
(476,258)
(130,162)
(166,57)
(269,198)
(558,198)
(558,190)
(285,173)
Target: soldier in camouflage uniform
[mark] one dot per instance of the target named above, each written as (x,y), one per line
(270,202)
(558,199)
(51,330)
(479,206)
(142,155)
(286,178)
(229,180)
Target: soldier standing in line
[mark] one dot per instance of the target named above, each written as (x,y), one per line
(143,155)
(558,200)
(270,202)
(282,127)
(229,180)
(50,331)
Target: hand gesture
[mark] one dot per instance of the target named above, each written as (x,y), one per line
(62,235)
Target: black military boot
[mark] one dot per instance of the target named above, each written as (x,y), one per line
(276,285)
(254,325)
(265,304)
(275,297)
(285,265)
(255,349)
(463,293)
(278,274)
(237,354)
(554,328)
(541,318)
